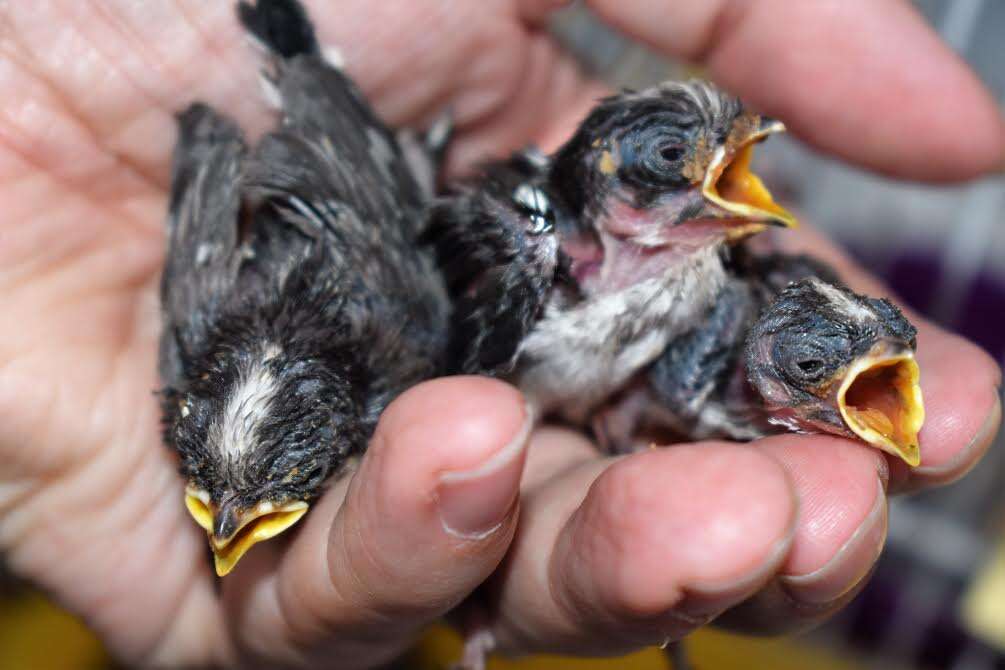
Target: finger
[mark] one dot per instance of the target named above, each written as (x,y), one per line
(499,74)
(541,106)
(838,535)
(803,62)
(611,556)
(553,451)
(426,518)
(959,381)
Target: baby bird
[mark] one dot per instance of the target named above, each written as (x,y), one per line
(824,359)
(644,197)
(496,243)
(786,347)
(295,304)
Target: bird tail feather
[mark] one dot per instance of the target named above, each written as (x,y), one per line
(283,26)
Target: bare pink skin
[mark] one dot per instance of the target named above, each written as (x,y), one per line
(639,244)
(87,93)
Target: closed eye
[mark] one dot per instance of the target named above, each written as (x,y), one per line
(810,366)
(672,153)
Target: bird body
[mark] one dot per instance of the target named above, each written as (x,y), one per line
(786,347)
(663,335)
(295,303)
(576,356)
(644,196)
(697,388)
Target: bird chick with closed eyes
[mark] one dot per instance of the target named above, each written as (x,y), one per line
(295,303)
(787,347)
(645,196)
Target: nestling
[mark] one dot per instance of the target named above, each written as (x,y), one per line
(785,347)
(825,359)
(295,305)
(644,195)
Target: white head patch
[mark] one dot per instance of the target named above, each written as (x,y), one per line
(842,301)
(248,404)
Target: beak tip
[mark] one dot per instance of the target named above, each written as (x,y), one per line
(912,456)
(785,224)
(250,529)
(222,567)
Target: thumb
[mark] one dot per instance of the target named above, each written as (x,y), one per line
(426,518)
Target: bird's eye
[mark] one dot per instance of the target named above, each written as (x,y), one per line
(653,157)
(315,476)
(811,366)
(672,152)
(808,370)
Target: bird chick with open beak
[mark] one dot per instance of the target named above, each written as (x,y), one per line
(825,359)
(786,347)
(656,183)
(295,304)
(645,195)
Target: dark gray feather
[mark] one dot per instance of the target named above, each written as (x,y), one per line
(500,260)
(201,264)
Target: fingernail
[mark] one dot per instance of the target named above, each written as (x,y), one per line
(473,503)
(849,565)
(960,464)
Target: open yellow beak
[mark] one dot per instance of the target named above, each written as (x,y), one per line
(880,401)
(263,522)
(731,185)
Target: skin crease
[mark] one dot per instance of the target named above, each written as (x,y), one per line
(90,503)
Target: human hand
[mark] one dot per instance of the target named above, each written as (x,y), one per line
(90,504)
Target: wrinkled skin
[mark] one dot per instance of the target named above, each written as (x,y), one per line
(608,554)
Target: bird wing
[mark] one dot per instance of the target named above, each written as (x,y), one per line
(317,98)
(335,215)
(695,379)
(499,279)
(694,367)
(338,176)
(201,264)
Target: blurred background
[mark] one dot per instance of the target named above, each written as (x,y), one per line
(937,599)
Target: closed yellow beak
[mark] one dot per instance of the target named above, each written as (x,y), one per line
(264,521)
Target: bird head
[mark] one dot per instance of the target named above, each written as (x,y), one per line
(827,359)
(648,166)
(255,431)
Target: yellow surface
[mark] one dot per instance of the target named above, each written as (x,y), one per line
(35,635)
(984,602)
(708,650)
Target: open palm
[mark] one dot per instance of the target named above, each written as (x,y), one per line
(90,503)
